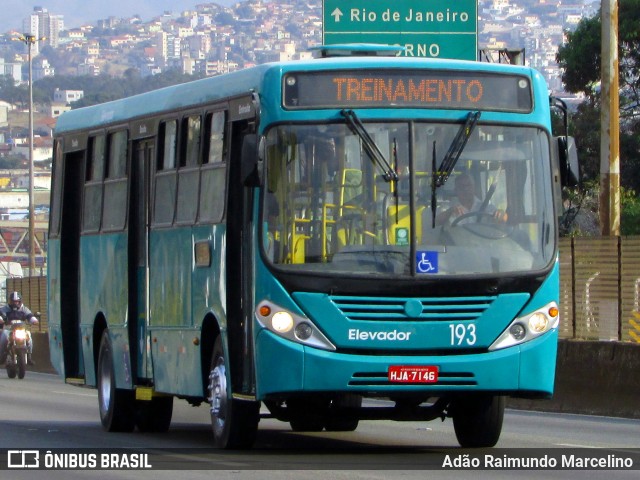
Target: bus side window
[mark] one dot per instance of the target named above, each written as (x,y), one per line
(215,148)
(56,190)
(94,173)
(189,174)
(191,138)
(214,171)
(165,181)
(114,212)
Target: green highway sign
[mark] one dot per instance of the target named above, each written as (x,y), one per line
(426,28)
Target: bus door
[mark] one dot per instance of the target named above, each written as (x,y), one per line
(143,153)
(69,267)
(240,270)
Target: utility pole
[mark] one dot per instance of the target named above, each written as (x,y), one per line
(29,40)
(609,123)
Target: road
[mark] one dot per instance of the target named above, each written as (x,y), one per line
(41,412)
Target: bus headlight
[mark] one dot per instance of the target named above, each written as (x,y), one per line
(282,322)
(538,323)
(304,331)
(291,326)
(518,331)
(528,327)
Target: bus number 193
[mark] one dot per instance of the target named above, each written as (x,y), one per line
(462,334)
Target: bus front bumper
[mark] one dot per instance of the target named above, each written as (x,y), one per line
(285,367)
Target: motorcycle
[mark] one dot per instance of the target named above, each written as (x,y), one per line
(16,362)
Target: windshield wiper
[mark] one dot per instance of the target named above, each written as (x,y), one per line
(441,175)
(370,146)
(434,200)
(456,148)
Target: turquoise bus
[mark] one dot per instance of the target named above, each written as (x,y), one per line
(285,236)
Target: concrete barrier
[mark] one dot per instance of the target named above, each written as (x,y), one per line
(595,378)
(41,353)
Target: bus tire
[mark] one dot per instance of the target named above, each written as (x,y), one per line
(116,405)
(234,422)
(348,401)
(155,415)
(477,420)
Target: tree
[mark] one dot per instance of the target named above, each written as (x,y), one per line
(580,57)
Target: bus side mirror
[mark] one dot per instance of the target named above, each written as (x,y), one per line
(251,163)
(568,162)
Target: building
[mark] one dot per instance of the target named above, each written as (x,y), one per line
(67,96)
(42,68)
(56,109)
(12,69)
(45,26)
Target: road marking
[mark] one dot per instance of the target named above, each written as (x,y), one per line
(78,394)
(574,445)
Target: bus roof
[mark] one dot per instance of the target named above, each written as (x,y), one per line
(212,89)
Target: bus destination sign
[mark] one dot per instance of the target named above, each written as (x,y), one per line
(408,89)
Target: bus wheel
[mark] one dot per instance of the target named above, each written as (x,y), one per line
(477,420)
(344,424)
(154,415)
(234,422)
(115,405)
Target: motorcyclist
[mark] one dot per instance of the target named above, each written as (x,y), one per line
(15,310)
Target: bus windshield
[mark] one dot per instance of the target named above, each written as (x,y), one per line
(329,207)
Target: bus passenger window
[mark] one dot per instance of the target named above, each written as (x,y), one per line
(214,173)
(92,203)
(191,141)
(114,212)
(56,190)
(95,170)
(165,179)
(168,138)
(188,175)
(117,155)
(215,150)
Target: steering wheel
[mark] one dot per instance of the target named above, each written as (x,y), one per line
(492,231)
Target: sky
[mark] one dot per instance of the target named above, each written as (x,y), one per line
(78,12)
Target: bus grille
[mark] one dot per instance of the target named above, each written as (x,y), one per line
(377,379)
(419,309)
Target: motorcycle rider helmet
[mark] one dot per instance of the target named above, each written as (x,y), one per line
(15,300)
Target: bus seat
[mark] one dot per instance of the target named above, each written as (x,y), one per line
(350,226)
(351,185)
(299,248)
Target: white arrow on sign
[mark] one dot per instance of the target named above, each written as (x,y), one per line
(336,14)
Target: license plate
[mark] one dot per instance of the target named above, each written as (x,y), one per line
(413,374)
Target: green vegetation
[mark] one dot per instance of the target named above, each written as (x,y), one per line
(580,59)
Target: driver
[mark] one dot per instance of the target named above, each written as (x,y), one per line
(15,310)
(467,202)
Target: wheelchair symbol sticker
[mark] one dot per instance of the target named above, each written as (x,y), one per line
(426,262)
